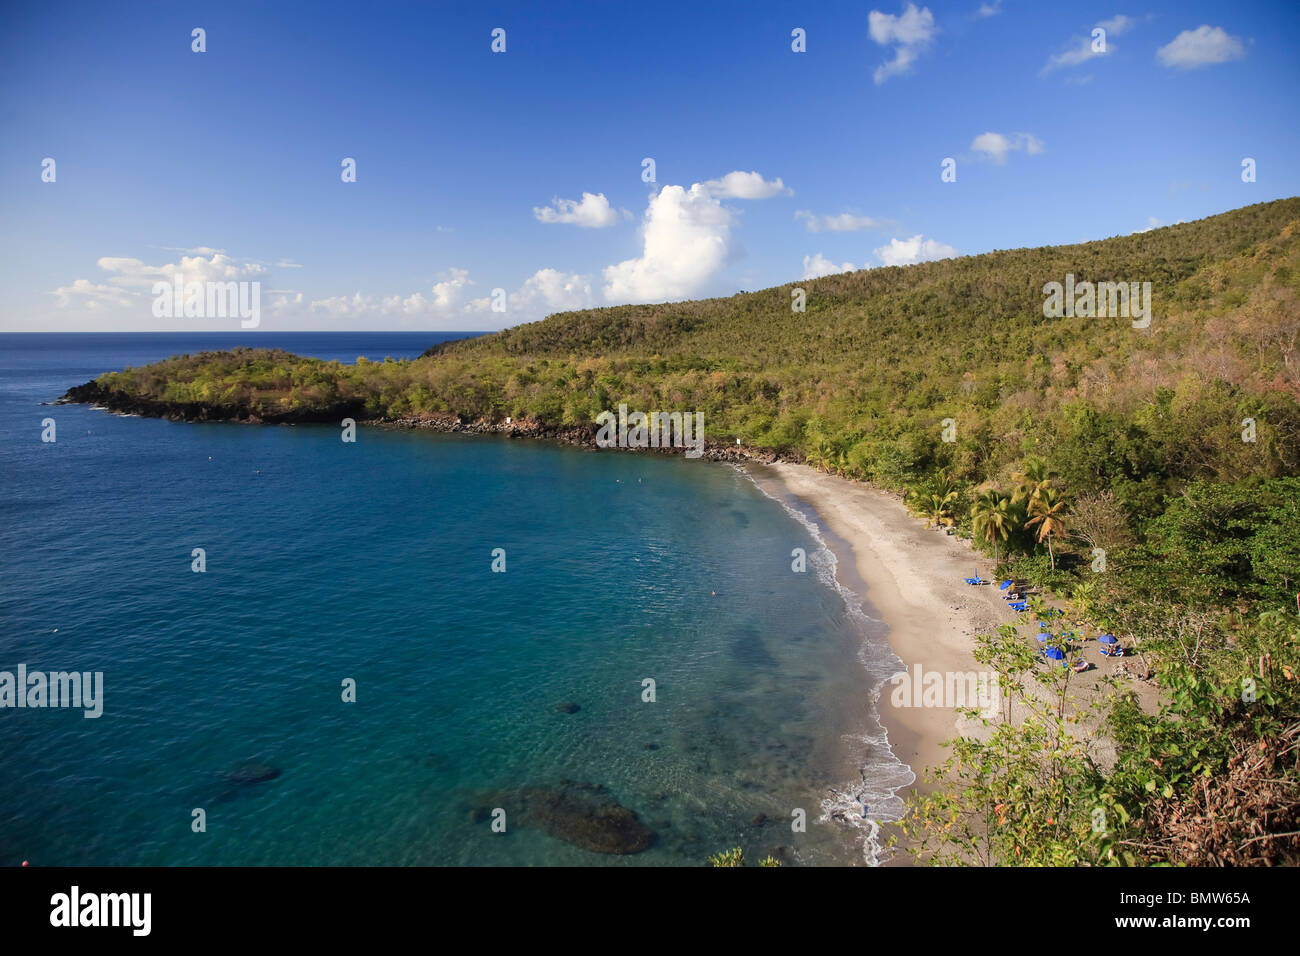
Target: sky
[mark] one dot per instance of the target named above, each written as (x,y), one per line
(516,179)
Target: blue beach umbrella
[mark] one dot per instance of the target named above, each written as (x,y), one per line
(1054,653)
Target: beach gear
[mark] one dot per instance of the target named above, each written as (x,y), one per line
(1110,646)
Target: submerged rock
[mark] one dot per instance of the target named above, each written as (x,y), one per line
(583,814)
(251,772)
(586,816)
(568,707)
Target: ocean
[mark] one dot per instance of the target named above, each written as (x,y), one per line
(647,648)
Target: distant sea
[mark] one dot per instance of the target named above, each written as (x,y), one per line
(476,691)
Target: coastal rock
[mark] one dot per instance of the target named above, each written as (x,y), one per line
(568,707)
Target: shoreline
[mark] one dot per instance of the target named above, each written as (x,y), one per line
(913,581)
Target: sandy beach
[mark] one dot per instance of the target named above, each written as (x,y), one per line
(914,578)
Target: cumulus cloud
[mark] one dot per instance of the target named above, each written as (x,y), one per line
(996,146)
(844,222)
(1203,46)
(544,292)
(686,236)
(903,252)
(84,294)
(816,266)
(591,212)
(130,280)
(447,293)
(909,33)
(738,185)
(989,9)
(217,267)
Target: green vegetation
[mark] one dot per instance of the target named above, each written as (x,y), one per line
(736,857)
(1149,475)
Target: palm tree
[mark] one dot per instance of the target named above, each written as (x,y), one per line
(991,517)
(821,456)
(1047,510)
(842,466)
(943,483)
(939,509)
(1032,479)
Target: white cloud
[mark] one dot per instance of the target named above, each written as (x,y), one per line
(844,222)
(217,267)
(445,299)
(1080,51)
(1203,46)
(738,185)
(816,266)
(1154,223)
(1083,49)
(446,294)
(1117,25)
(686,238)
(130,280)
(591,212)
(909,32)
(903,252)
(84,294)
(996,146)
(544,292)
(989,9)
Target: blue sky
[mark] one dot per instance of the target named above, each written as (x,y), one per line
(226,164)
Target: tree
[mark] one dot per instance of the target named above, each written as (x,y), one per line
(1031,480)
(1047,510)
(991,518)
(1100,521)
(939,509)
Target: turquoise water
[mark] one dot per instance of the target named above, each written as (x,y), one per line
(372,561)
